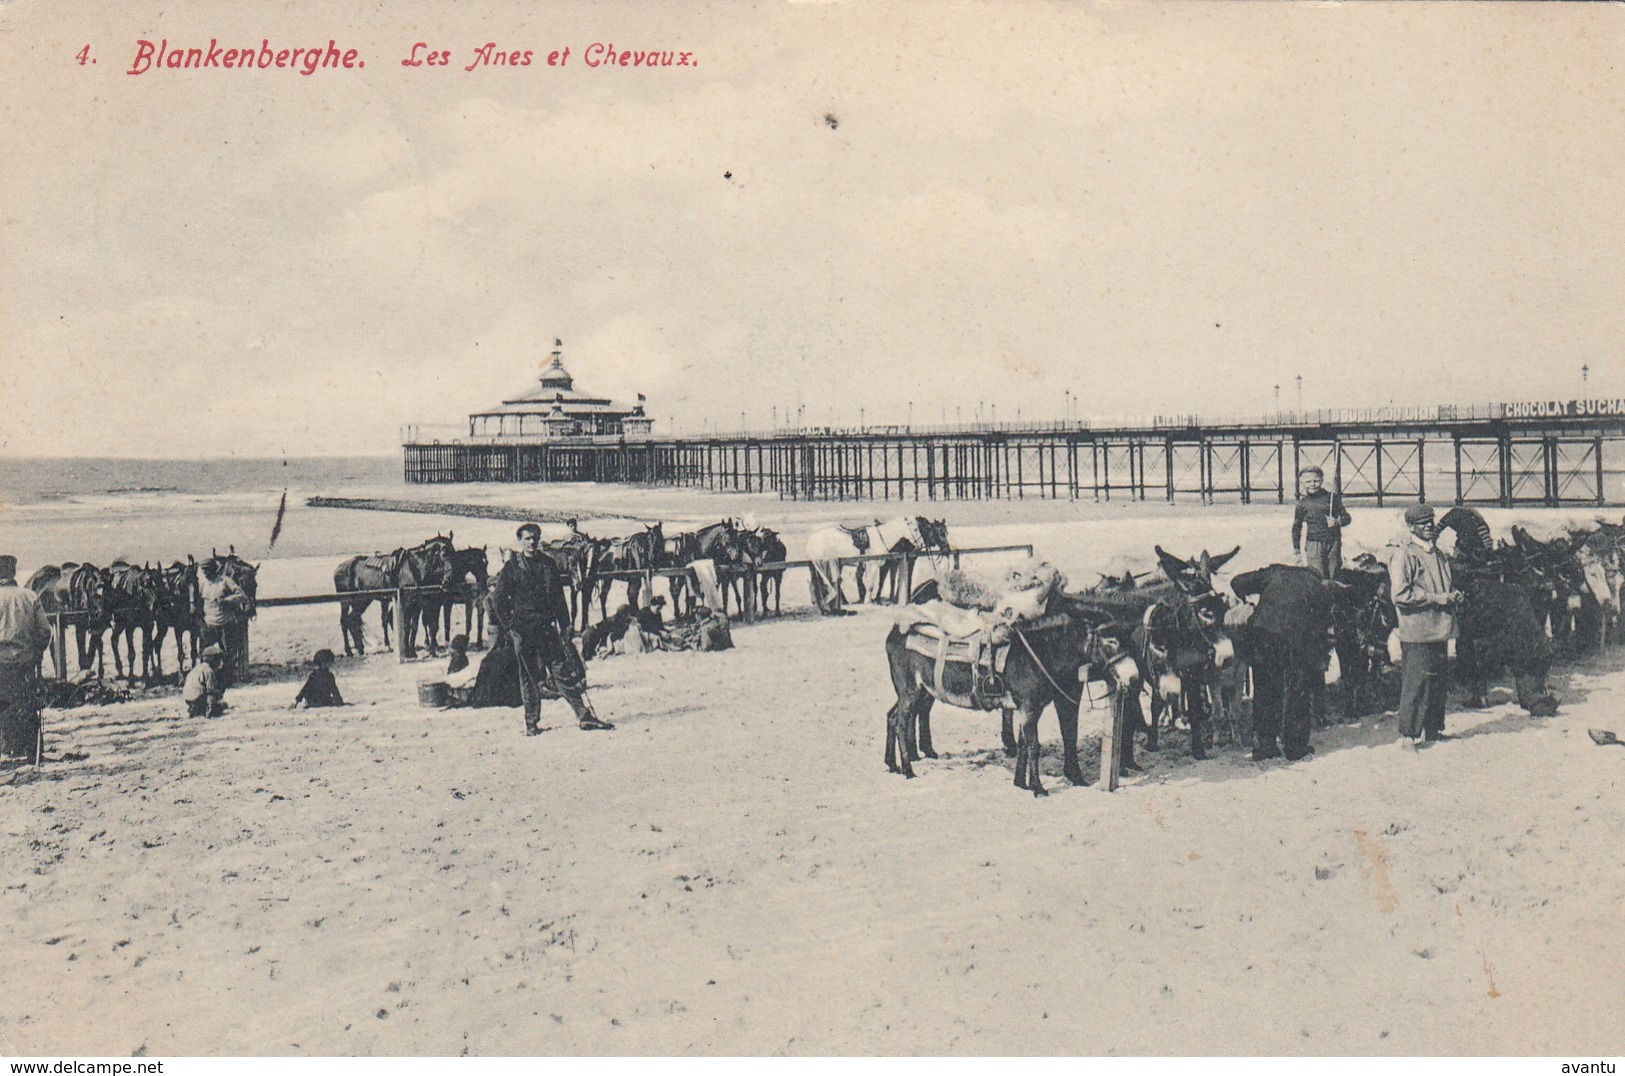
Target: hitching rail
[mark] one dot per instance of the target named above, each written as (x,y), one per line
(905,561)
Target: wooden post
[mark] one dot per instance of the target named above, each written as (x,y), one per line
(60,636)
(1111,734)
(400,626)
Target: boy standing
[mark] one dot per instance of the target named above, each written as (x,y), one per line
(1317,525)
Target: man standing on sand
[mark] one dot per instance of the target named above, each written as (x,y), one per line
(223,604)
(24,635)
(529,604)
(1425,598)
(1286,640)
(1317,525)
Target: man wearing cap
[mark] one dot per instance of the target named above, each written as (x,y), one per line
(529,604)
(205,693)
(24,635)
(1425,598)
(223,605)
(1317,525)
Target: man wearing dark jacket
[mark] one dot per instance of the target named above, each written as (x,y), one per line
(1317,526)
(1287,642)
(529,604)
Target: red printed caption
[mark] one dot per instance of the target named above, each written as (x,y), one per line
(597,54)
(307,61)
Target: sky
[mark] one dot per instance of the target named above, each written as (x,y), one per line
(841,210)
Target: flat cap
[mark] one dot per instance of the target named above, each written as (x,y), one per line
(1419,513)
(213,651)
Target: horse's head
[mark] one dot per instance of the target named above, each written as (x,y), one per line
(471,563)
(89,587)
(649,544)
(437,558)
(933,534)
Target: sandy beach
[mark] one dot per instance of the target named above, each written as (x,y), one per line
(732,870)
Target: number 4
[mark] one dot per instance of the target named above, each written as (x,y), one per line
(84,55)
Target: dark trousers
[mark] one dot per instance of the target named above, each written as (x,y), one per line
(1424,685)
(204,707)
(1287,681)
(19,710)
(229,638)
(543,657)
(1324,557)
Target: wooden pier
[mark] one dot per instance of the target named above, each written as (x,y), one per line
(1569,453)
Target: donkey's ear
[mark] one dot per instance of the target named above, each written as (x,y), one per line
(1215,563)
(1171,565)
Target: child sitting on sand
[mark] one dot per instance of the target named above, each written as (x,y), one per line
(320,689)
(459,654)
(204,693)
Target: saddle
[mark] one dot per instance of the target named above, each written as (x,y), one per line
(859,536)
(979,651)
(383,562)
(949,635)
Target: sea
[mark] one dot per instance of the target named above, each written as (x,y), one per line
(67,479)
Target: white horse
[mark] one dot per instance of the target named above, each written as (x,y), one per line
(829,546)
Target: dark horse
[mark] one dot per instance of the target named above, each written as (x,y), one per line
(470,577)
(724,544)
(179,609)
(764,546)
(577,559)
(80,591)
(132,606)
(421,573)
(630,554)
(933,543)
(1042,669)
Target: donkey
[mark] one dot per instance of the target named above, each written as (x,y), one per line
(1041,670)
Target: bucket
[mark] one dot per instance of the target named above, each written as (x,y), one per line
(433,693)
